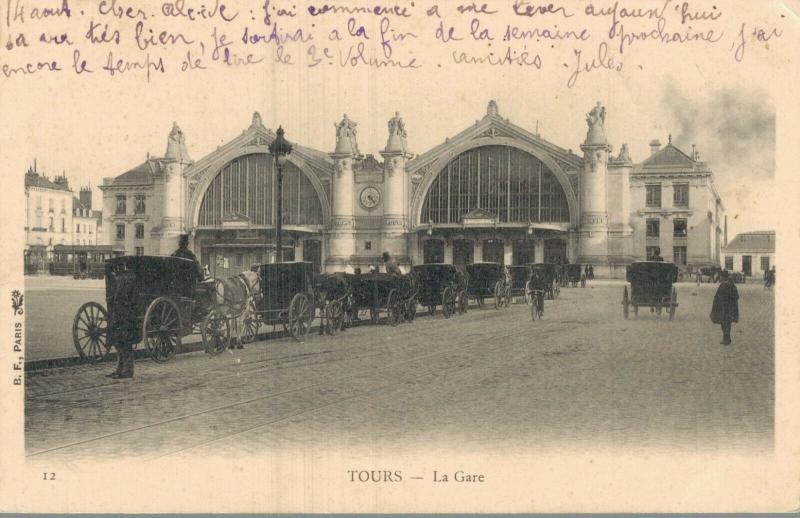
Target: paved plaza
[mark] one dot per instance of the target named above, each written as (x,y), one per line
(583,377)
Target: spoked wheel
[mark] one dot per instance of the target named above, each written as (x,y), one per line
(334,317)
(216,332)
(161,330)
(411,309)
(673,303)
(393,308)
(463,302)
(250,324)
(300,316)
(499,294)
(625,302)
(90,332)
(448,302)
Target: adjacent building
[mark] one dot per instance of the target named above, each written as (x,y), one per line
(751,253)
(493,192)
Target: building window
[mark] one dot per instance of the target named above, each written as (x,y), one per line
(679,228)
(679,255)
(50,204)
(122,207)
(120,231)
(367,245)
(51,227)
(78,228)
(139,204)
(729,262)
(63,225)
(239,259)
(653,195)
(63,206)
(139,250)
(139,231)
(764,263)
(653,253)
(680,195)
(653,227)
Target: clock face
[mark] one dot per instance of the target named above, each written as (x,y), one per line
(370,197)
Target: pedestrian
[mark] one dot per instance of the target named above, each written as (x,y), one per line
(591,273)
(124,368)
(725,310)
(391,265)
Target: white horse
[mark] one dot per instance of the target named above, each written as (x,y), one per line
(235,298)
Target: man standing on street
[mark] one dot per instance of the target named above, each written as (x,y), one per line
(725,309)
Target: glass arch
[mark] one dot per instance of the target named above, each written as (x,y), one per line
(513,185)
(246,186)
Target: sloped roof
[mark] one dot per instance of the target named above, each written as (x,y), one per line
(142,174)
(76,203)
(756,242)
(36,180)
(669,156)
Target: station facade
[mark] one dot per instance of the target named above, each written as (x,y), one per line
(494,192)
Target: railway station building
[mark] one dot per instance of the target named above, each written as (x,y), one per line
(493,192)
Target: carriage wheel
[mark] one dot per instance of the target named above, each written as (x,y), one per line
(90,332)
(625,302)
(448,302)
(393,308)
(161,330)
(216,332)
(251,324)
(499,292)
(673,303)
(463,302)
(334,317)
(300,316)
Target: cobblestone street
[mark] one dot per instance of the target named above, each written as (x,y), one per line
(583,377)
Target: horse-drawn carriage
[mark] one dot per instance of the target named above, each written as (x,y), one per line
(574,276)
(551,275)
(520,275)
(441,284)
(488,280)
(651,285)
(376,292)
(335,299)
(287,297)
(155,300)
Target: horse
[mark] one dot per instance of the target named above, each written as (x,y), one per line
(235,297)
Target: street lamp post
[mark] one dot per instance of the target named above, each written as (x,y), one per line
(279,148)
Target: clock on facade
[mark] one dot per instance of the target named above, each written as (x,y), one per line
(370,197)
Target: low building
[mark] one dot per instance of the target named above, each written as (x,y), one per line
(48,222)
(751,253)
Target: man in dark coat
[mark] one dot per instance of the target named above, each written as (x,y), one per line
(184,253)
(391,265)
(725,309)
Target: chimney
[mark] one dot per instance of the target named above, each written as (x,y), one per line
(655,146)
(62,181)
(86,197)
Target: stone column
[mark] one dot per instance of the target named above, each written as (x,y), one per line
(395,192)
(173,195)
(342,232)
(593,233)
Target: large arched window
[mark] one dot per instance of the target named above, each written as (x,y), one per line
(247,187)
(513,185)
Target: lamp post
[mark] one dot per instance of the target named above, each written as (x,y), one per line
(279,148)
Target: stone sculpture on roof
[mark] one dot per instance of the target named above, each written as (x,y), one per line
(176,145)
(596,120)
(397,134)
(346,136)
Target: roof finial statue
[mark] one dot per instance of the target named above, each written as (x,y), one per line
(669,139)
(257,122)
(491,109)
(397,134)
(624,154)
(596,120)
(176,145)
(346,141)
